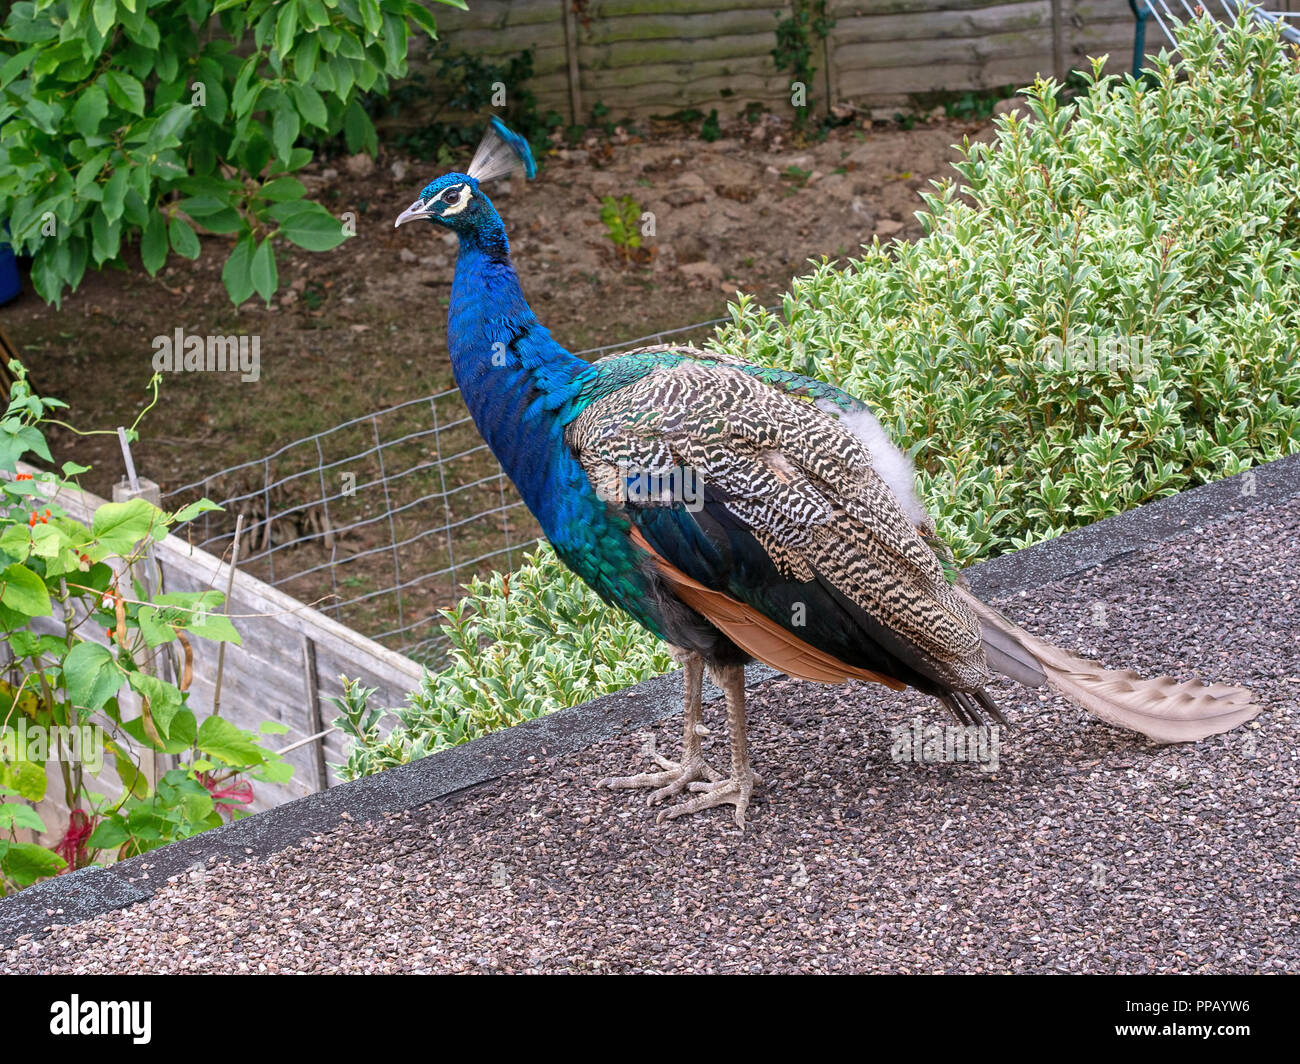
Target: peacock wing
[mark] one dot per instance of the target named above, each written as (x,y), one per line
(764,513)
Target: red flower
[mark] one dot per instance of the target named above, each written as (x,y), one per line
(227,798)
(72,847)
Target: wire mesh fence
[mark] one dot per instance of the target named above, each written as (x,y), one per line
(381,520)
(1167,12)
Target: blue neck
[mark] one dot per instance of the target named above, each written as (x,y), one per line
(516,380)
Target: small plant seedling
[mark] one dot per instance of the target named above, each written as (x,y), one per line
(622,220)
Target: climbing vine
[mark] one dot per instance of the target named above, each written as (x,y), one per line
(798,36)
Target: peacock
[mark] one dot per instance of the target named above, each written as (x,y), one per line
(741,513)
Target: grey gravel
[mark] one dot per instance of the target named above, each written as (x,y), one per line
(1089,850)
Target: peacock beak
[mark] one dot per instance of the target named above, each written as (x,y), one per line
(418,209)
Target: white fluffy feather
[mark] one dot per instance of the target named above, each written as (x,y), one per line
(494,158)
(891,464)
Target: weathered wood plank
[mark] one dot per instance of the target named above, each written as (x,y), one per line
(608,9)
(680,27)
(496,14)
(847,9)
(892,82)
(677,52)
(999,18)
(975,50)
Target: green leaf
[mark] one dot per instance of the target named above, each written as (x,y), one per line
(125,91)
(282,189)
(311,105)
(119,526)
(184,240)
(16,815)
(115,195)
(27,778)
(16,439)
(202,207)
(89,110)
(17,64)
(308,225)
(220,739)
(358,130)
(237,274)
(47,541)
(104,14)
(181,734)
(371,17)
(284,132)
(190,512)
(286,27)
(279,771)
(165,701)
(157,626)
(25,862)
(423,18)
(262,271)
(109,834)
(22,590)
(153,243)
(215,626)
(91,675)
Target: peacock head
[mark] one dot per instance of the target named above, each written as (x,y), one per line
(457,202)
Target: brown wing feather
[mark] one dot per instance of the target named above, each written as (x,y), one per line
(760,637)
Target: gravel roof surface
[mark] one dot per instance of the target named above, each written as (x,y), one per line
(1088,850)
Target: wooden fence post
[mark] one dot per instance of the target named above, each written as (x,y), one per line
(1058,41)
(830,70)
(159,662)
(315,723)
(571,51)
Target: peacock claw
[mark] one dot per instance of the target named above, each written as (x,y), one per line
(676,777)
(735,791)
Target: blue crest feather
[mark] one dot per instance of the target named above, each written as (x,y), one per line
(502,151)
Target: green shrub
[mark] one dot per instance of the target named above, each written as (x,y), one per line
(1104,312)
(154,118)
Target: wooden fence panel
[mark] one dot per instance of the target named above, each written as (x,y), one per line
(645,57)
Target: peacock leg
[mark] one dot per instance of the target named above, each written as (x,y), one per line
(677,775)
(737,789)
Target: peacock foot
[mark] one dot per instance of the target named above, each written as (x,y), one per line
(676,777)
(734,791)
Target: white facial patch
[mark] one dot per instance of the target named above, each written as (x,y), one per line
(890,463)
(457,199)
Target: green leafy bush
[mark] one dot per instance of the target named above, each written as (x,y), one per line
(1104,312)
(154,119)
(62,688)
